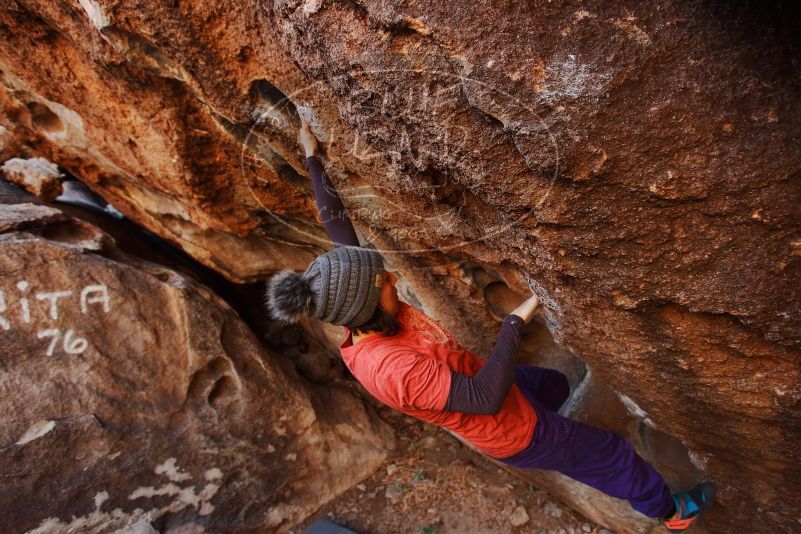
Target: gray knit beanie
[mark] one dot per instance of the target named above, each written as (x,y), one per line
(340,287)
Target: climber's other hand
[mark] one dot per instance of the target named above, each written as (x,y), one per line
(310,144)
(526,310)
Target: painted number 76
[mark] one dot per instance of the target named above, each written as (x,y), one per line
(71,344)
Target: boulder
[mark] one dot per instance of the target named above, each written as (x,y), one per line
(636,166)
(136,400)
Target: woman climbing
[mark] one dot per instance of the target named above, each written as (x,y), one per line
(409,362)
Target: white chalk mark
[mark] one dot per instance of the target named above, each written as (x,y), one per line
(36,431)
(310,7)
(566,77)
(100,498)
(74,346)
(139,519)
(49,332)
(22,285)
(102,296)
(212,474)
(148,492)
(96,14)
(71,345)
(26,310)
(4,324)
(635,410)
(171,470)
(698,460)
(632,406)
(53,297)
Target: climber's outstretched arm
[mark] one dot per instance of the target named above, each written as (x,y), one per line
(485,392)
(333,215)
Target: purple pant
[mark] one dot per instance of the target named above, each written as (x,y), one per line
(596,457)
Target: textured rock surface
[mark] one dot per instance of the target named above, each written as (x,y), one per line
(37,175)
(637,166)
(134,395)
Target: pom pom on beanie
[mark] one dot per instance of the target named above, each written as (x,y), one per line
(289,296)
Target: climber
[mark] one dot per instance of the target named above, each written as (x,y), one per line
(411,363)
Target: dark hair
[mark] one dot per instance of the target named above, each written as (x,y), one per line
(380,321)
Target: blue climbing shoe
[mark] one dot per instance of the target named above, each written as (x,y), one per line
(690,505)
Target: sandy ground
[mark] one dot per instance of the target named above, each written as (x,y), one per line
(434,484)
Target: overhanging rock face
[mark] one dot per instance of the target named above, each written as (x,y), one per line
(638,167)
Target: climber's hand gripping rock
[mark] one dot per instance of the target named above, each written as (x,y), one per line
(307,139)
(526,310)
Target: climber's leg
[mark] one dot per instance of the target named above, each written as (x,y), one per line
(596,457)
(548,386)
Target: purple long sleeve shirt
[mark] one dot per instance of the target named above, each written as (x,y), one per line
(483,393)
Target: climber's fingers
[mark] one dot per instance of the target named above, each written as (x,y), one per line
(526,310)
(307,139)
